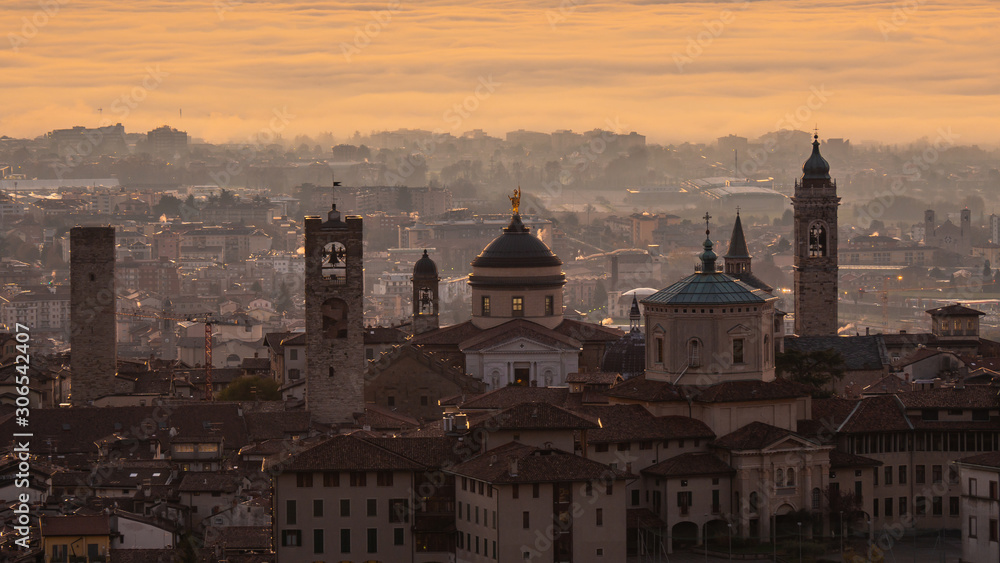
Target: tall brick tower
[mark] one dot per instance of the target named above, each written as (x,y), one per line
(815,204)
(335,348)
(425,295)
(93,338)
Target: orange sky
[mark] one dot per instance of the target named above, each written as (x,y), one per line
(892,71)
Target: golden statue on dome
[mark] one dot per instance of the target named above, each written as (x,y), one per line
(515,200)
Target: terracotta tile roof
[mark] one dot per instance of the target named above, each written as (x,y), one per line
(748,390)
(380,418)
(383,335)
(880,413)
(94,525)
(840,459)
(76,430)
(955,310)
(506,397)
(691,463)
(276,425)
(265,448)
(991,459)
(588,332)
(201,481)
(754,436)
(448,335)
(431,452)
(969,397)
(860,353)
(643,389)
(142,555)
(256,364)
(238,537)
(518,328)
(595,377)
(345,452)
(888,385)
(536,416)
(992,364)
(628,423)
(296,339)
(534,465)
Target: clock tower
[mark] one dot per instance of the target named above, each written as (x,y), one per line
(815,210)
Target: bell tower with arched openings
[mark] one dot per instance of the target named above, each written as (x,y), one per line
(335,348)
(815,204)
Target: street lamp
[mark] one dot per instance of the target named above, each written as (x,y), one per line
(774,532)
(800,541)
(841,533)
(730,541)
(705,538)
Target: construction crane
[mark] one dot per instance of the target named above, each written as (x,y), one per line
(208,318)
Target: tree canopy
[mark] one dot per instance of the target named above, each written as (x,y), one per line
(251,388)
(817,369)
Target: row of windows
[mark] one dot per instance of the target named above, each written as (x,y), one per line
(472,485)
(919,504)
(471,543)
(517,306)
(643,445)
(694,351)
(357,479)
(902,472)
(293,538)
(974,528)
(927,441)
(469,510)
(974,489)
(399,510)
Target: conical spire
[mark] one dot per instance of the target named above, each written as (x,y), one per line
(737,242)
(634,315)
(816,167)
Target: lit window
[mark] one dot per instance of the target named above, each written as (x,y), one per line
(517,306)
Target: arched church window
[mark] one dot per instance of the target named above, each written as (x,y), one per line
(334,318)
(790,478)
(779,478)
(694,353)
(753,502)
(817,497)
(817,240)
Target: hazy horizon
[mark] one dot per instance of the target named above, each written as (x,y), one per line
(886,71)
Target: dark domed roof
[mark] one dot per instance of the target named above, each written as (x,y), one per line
(516,248)
(626,355)
(708,288)
(816,168)
(425,267)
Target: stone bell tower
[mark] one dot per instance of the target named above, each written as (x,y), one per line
(93,337)
(425,295)
(815,210)
(335,348)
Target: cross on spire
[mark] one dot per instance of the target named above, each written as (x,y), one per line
(707,217)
